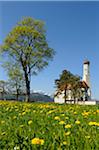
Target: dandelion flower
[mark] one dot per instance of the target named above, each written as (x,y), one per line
(77,122)
(75,113)
(37,141)
(93,123)
(29,122)
(62,122)
(87,137)
(21,126)
(68,126)
(2,121)
(51,111)
(14,117)
(56,118)
(97,110)
(64,143)
(67,133)
(62,114)
(23,113)
(66,118)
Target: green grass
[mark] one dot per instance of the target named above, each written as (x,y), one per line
(55,124)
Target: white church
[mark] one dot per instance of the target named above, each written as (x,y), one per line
(85,86)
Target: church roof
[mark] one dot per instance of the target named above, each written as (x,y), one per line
(84,84)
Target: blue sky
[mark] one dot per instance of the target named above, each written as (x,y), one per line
(72,31)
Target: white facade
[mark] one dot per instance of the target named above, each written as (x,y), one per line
(86,79)
(59,99)
(86,76)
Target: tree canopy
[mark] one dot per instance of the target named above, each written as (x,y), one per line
(27,45)
(67,81)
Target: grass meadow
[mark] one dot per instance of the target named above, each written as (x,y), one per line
(48,126)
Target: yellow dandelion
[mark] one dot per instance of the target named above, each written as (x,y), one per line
(91,123)
(62,122)
(67,133)
(14,117)
(21,126)
(68,126)
(75,113)
(30,122)
(97,124)
(2,121)
(51,111)
(87,137)
(94,113)
(85,114)
(64,143)
(62,114)
(66,118)
(56,118)
(23,113)
(37,141)
(77,122)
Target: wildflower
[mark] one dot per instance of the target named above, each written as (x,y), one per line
(2,121)
(62,122)
(94,113)
(75,113)
(21,126)
(77,122)
(51,111)
(97,110)
(62,114)
(16,148)
(67,133)
(56,118)
(24,113)
(29,122)
(93,123)
(85,114)
(14,117)
(64,143)
(66,118)
(68,126)
(87,137)
(37,141)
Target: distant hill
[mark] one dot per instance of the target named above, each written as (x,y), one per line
(41,97)
(36,97)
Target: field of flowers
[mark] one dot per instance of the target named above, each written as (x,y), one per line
(48,126)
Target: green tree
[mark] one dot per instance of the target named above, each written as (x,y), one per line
(76,88)
(63,83)
(16,79)
(26,44)
(69,84)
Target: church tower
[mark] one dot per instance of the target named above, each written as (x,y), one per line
(86,76)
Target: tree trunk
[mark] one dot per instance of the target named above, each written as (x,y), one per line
(27,91)
(17,94)
(27,81)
